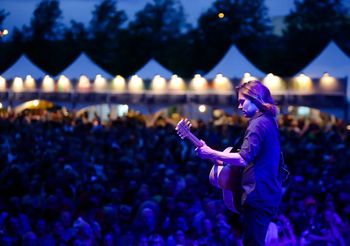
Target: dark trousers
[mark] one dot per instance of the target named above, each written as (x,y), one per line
(255,224)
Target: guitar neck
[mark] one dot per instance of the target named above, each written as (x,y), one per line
(194,140)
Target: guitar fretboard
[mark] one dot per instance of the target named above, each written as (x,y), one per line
(194,140)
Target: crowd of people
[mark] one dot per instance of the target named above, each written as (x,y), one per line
(65,180)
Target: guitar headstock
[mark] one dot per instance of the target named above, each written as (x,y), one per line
(183,128)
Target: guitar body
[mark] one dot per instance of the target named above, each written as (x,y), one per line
(229,179)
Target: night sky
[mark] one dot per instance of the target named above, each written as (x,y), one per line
(22,10)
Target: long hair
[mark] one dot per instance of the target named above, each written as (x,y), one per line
(259,94)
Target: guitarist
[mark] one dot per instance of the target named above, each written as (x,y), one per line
(259,156)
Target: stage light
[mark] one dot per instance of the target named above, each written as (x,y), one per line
(4,32)
(328,82)
(2,83)
(222,83)
(273,82)
(303,82)
(17,84)
(118,83)
(100,83)
(202,108)
(247,77)
(136,84)
(199,83)
(84,83)
(48,85)
(29,83)
(221,15)
(63,84)
(176,83)
(158,84)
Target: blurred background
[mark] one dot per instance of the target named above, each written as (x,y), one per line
(91,91)
(121,36)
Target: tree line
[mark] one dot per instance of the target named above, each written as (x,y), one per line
(160,30)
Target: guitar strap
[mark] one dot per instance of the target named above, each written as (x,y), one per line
(283,170)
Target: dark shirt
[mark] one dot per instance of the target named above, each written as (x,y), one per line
(261,151)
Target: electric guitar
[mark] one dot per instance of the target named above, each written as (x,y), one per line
(228,178)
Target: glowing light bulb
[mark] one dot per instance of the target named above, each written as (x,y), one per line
(202,108)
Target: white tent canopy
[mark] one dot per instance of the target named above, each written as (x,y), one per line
(83,65)
(331,60)
(23,67)
(153,68)
(233,65)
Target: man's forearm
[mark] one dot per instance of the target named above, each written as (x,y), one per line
(234,158)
